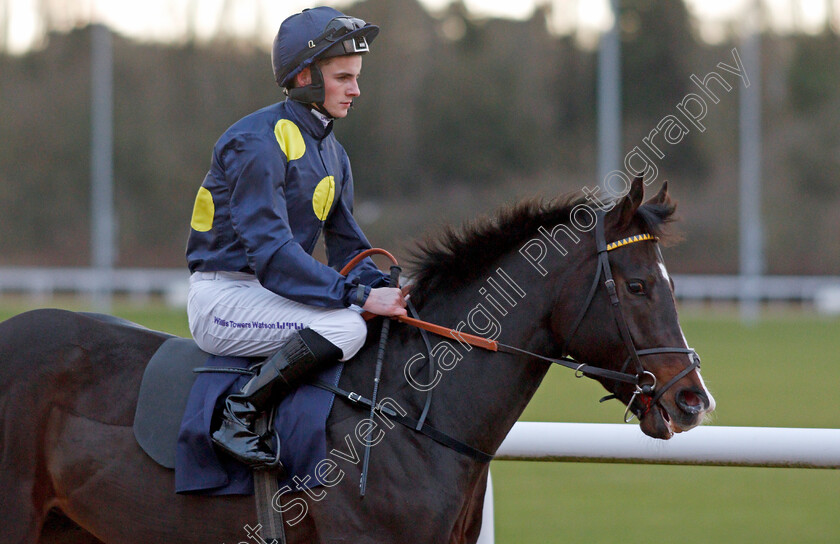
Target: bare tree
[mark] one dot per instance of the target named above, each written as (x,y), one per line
(191,16)
(46,15)
(239,18)
(5,24)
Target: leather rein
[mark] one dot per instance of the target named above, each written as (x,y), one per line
(645,395)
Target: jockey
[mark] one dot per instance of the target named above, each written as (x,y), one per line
(277,180)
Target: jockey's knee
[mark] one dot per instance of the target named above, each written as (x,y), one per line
(357,334)
(348,332)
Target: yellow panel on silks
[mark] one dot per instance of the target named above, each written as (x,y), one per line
(323,197)
(203,211)
(290,139)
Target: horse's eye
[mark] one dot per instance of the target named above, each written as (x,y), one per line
(636,287)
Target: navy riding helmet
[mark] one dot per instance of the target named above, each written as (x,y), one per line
(314,34)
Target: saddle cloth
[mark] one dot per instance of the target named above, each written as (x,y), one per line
(175,407)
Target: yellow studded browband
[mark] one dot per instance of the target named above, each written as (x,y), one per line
(631,240)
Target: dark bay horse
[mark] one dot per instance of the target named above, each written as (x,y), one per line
(532,277)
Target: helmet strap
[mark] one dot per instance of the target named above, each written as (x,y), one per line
(313,93)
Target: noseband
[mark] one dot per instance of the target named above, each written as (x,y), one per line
(646,394)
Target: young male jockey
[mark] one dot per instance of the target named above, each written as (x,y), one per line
(278,179)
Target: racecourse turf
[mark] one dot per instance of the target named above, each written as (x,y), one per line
(782,371)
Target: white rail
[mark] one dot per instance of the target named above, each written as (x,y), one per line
(615,443)
(40,281)
(138,283)
(709,445)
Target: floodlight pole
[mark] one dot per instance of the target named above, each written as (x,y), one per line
(751,246)
(102,224)
(609,99)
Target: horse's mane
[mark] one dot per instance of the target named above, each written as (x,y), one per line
(459,256)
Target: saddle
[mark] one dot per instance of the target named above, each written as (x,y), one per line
(180,389)
(164,391)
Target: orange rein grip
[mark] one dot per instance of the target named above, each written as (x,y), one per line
(363,255)
(358,258)
(477,341)
(467,338)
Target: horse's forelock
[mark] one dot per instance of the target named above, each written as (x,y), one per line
(657,217)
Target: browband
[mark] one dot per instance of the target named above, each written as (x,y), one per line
(631,240)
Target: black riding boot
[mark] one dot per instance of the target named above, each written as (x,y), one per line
(304,352)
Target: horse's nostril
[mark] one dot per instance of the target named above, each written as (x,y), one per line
(691,402)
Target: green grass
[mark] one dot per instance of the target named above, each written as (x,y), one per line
(783,371)
(154,315)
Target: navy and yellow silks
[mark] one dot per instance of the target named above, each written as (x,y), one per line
(277,180)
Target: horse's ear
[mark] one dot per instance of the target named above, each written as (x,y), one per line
(628,205)
(662,197)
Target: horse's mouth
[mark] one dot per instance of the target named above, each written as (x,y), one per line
(663,423)
(657,423)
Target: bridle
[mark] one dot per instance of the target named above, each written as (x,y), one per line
(645,394)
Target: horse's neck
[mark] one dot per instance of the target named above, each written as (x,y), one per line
(481,397)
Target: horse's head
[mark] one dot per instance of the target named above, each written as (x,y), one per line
(626,318)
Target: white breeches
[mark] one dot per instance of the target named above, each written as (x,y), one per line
(231,313)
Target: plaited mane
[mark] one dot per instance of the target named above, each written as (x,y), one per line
(459,256)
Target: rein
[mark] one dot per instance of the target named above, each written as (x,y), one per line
(581,369)
(645,395)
